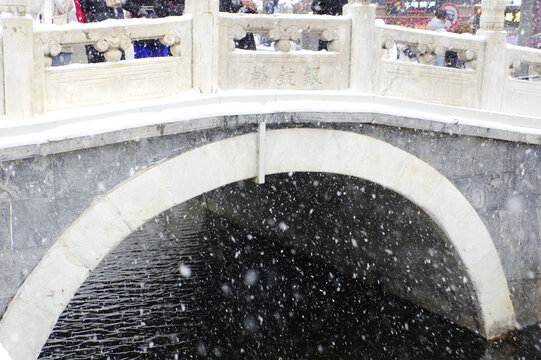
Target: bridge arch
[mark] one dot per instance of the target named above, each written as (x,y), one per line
(34,310)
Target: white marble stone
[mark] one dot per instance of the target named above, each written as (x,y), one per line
(31,315)
(209,167)
(103,224)
(142,197)
(205,60)
(17,39)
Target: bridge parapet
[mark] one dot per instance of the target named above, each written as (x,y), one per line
(205,60)
(424,82)
(57,88)
(284,67)
(428,44)
(518,93)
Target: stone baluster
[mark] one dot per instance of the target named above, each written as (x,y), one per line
(329,35)
(173,40)
(50,49)
(364,50)
(283,37)
(17,48)
(494,71)
(112,46)
(237,32)
(470,58)
(205,44)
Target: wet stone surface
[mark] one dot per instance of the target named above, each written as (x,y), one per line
(190,285)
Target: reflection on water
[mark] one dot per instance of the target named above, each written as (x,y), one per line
(191,285)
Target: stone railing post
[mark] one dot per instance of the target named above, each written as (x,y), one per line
(205,44)
(18,58)
(494,66)
(363,45)
(2,94)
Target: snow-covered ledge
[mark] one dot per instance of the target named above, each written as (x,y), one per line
(204,60)
(76,129)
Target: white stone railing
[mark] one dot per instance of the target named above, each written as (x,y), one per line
(205,60)
(520,94)
(111,36)
(282,66)
(427,44)
(115,81)
(422,82)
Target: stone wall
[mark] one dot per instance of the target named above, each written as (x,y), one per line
(40,196)
(502,181)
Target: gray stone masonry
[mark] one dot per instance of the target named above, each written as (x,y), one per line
(42,195)
(43,188)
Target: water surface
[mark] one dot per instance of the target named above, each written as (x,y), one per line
(190,285)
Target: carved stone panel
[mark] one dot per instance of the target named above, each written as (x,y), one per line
(294,73)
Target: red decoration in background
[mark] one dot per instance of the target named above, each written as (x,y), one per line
(80,15)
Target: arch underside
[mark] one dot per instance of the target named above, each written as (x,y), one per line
(34,310)
(359,228)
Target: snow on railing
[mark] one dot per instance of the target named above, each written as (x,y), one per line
(418,80)
(205,59)
(518,56)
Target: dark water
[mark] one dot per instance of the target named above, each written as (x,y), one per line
(190,285)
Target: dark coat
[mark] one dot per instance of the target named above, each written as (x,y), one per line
(97,10)
(155,8)
(233,6)
(328,7)
(230,6)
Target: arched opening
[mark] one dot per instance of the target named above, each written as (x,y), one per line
(112,217)
(361,229)
(192,284)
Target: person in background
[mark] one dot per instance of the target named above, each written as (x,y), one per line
(57,12)
(242,6)
(302,6)
(152,9)
(284,7)
(437,23)
(270,6)
(405,54)
(451,57)
(281,6)
(78,12)
(327,7)
(95,11)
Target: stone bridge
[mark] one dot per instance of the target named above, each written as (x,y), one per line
(90,152)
